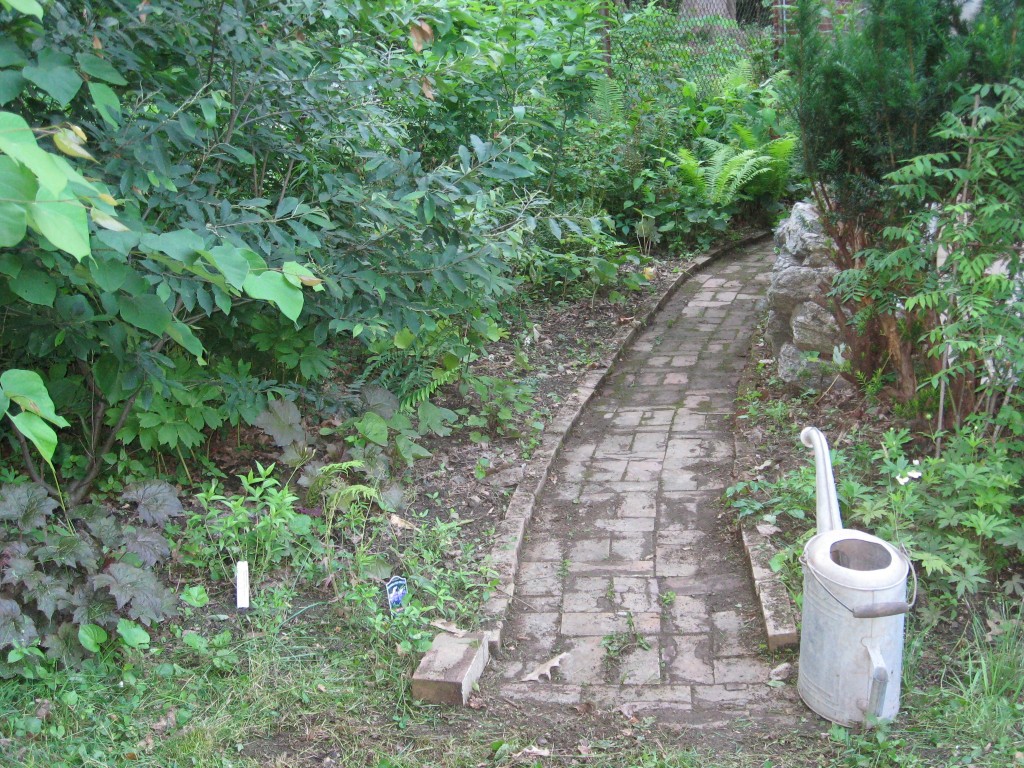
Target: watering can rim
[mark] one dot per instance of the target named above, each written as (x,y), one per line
(817,557)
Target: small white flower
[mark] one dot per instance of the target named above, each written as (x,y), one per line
(914,474)
(902,480)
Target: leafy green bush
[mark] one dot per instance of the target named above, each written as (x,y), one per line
(239,159)
(62,570)
(951,268)
(870,96)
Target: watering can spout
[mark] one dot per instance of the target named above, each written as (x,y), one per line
(827,515)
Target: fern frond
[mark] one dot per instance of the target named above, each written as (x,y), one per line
(746,136)
(607,103)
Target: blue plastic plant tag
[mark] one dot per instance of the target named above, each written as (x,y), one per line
(397,591)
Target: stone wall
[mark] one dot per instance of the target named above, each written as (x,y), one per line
(798,320)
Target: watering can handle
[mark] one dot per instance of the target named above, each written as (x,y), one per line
(879,680)
(878,610)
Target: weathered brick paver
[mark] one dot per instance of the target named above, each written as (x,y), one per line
(654,604)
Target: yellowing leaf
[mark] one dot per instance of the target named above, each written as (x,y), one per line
(428,89)
(108,199)
(107,221)
(79,133)
(422,35)
(67,141)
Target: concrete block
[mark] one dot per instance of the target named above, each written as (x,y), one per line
(448,670)
(779,615)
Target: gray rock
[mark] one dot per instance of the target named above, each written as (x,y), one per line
(814,329)
(796,367)
(802,275)
(801,237)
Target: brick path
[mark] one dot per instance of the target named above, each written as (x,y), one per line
(628,567)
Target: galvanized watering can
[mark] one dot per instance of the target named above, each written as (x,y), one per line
(855,587)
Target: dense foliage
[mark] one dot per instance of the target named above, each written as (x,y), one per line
(870,95)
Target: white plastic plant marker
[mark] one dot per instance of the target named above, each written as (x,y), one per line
(242,585)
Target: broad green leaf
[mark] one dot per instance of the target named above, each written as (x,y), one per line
(132,634)
(11,55)
(183,336)
(435,419)
(61,220)
(100,68)
(404,339)
(410,450)
(54,73)
(146,312)
(273,287)
(28,390)
(11,85)
(179,244)
(120,242)
(39,433)
(373,428)
(28,7)
(18,141)
(92,637)
(505,171)
(299,275)
(35,287)
(16,182)
(241,155)
(230,262)
(13,224)
(108,106)
(283,422)
(109,273)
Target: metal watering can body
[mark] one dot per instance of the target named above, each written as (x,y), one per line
(851,640)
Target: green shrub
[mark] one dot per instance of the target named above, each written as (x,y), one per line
(870,96)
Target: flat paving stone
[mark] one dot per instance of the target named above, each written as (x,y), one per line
(627,547)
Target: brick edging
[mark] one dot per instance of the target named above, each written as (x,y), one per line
(509,535)
(777,610)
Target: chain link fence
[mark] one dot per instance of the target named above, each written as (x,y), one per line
(658,48)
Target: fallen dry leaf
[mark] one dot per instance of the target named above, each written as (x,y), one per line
(476,702)
(401,523)
(447,626)
(629,710)
(43,708)
(583,748)
(545,669)
(165,723)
